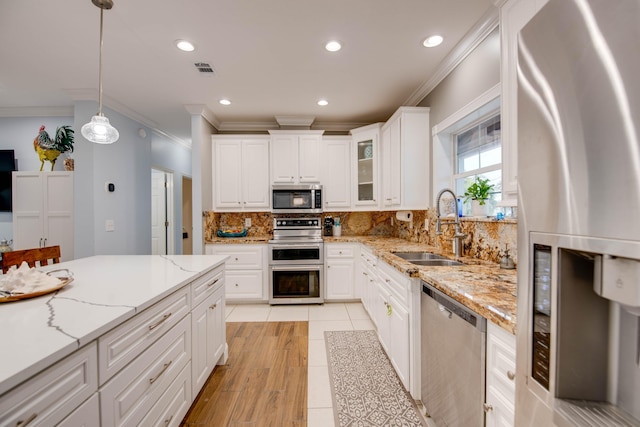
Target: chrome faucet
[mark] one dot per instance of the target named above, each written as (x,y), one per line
(458,235)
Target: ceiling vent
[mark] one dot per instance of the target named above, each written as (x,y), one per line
(203,67)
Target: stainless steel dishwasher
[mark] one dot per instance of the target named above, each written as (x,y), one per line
(453,360)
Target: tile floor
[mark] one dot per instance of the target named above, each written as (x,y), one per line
(321,318)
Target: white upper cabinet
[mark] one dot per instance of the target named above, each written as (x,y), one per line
(514,15)
(295,156)
(366,157)
(241,172)
(406,160)
(336,172)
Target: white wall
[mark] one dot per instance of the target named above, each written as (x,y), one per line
(201,131)
(171,157)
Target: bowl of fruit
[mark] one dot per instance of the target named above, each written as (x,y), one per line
(232,232)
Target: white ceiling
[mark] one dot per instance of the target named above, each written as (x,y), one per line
(268,57)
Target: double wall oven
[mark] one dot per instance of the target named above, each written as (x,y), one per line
(296,261)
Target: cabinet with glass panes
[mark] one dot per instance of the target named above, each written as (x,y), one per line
(365,155)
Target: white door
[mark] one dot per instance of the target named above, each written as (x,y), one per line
(187,219)
(159,222)
(255,174)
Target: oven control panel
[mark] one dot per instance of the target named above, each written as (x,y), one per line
(296,223)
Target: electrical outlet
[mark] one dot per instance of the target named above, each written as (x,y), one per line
(109,225)
(426,224)
(247,222)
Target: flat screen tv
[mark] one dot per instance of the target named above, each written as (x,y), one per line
(7,165)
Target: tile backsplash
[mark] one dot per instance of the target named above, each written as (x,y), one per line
(486,238)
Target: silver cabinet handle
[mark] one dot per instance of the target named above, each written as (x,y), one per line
(487,407)
(164,368)
(159,322)
(214,282)
(511,375)
(213,306)
(167,422)
(23,423)
(237,285)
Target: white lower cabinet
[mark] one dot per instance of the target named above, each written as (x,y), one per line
(207,322)
(245,270)
(129,396)
(50,396)
(340,268)
(139,373)
(500,372)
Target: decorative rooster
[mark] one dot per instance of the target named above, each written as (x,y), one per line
(49,149)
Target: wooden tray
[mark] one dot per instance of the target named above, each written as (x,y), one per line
(64,281)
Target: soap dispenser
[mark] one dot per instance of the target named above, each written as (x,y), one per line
(506,263)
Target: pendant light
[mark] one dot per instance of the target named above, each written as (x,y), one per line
(99,130)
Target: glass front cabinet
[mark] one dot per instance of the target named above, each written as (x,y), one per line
(366,157)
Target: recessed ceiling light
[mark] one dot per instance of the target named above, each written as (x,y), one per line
(432,41)
(185,45)
(333,46)
(323,102)
(225,101)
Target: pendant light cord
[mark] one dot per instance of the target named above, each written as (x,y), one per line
(100,67)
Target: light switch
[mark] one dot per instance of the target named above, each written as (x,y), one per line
(247,222)
(110,225)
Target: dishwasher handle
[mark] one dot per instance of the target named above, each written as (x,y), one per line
(456,308)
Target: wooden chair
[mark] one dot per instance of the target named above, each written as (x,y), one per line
(34,257)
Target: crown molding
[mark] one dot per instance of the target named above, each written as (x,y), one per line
(483,27)
(62,111)
(301,121)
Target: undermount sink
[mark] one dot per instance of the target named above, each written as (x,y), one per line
(418,256)
(436,262)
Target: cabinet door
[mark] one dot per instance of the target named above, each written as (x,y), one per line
(399,340)
(228,174)
(339,279)
(255,174)
(58,212)
(381,313)
(365,179)
(209,337)
(391,164)
(309,158)
(336,161)
(43,211)
(284,159)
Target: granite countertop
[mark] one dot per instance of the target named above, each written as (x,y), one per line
(106,291)
(240,240)
(481,286)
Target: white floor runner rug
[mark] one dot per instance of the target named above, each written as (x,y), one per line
(365,388)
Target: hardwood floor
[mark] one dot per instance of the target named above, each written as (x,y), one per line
(264,382)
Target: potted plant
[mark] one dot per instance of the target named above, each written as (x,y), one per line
(478,193)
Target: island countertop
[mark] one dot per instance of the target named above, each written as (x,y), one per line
(106,291)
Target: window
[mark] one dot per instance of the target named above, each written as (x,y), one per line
(478,152)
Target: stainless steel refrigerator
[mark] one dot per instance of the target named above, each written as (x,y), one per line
(578,337)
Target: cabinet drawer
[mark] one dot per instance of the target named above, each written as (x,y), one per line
(52,395)
(121,345)
(204,286)
(241,257)
(87,415)
(129,395)
(173,404)
(398,283)
(244,284)
(339,251)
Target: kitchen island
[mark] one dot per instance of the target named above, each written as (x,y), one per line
(98,313)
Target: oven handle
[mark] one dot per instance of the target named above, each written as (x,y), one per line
(277,246)
(296,267)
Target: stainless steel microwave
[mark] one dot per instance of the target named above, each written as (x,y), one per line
(298,198)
